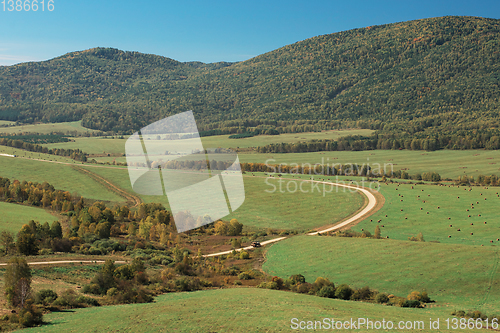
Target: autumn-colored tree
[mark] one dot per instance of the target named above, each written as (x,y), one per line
(377,232)
(220,228)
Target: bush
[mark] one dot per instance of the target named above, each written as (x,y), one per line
(278,281)
(237,283)
(297,278)
(30,316)
(411,304)
(245,276)
(321,282)
(326,291)
(45,296)
(424,297)
(244,255)
(233,270)
(343,292)
(303,288)
(381,298)
(362,294)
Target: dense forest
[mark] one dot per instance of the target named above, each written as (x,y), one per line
(411,79)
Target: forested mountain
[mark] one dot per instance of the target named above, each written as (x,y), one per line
(416,78)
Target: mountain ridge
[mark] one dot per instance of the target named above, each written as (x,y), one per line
(438,73)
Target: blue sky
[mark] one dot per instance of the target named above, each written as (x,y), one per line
(207,31)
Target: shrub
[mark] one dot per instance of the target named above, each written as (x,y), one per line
(362,294)
(410,304)
(278,281)
(424,297)
(45,296)
(297,278)
(343,292)
(381,298)
(326,291)
(303,288)
(244,255)
(245,276)
(414,296)
(321,282)
(237,283)
(233,270)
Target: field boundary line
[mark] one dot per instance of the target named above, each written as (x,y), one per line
(110,186)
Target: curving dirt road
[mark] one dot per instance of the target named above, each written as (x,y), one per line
(371,206)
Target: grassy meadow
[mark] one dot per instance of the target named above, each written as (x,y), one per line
(455,276)
(61,176)
(448,163)
(14,216)
(46,128)
(98,145)
(261,209)
(228,310)
(431,209)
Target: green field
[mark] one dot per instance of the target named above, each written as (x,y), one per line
(14,216)
(456,276)
(116,146)
(48,128)
(61,176)
(228,310)
(34,155)
(271,210)
(434,223)
(448,163)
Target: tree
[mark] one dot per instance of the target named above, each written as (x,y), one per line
(377,232)
(221,228)
(7,242)
(234,228)
(56,230)
(27,244)
(17,282)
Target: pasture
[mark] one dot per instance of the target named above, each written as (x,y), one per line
(98,145)
(14,216)
(61,176)
(268,206)
(448,163)
(227,310)
(456,276)
(446,213)
(68,127)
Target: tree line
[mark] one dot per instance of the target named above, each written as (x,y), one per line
(75,154)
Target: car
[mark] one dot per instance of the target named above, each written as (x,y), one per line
(256,244)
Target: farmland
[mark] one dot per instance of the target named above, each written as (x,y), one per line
(455,276)
(116,146)
(226,310)
(262,209)
(46,128)
(448,163)
(14,216)
(61,176)
(448,214)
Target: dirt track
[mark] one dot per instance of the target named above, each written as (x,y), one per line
(372,206)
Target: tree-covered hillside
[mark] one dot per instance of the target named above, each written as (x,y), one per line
(416,78)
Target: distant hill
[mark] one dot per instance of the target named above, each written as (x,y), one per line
(413,78)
